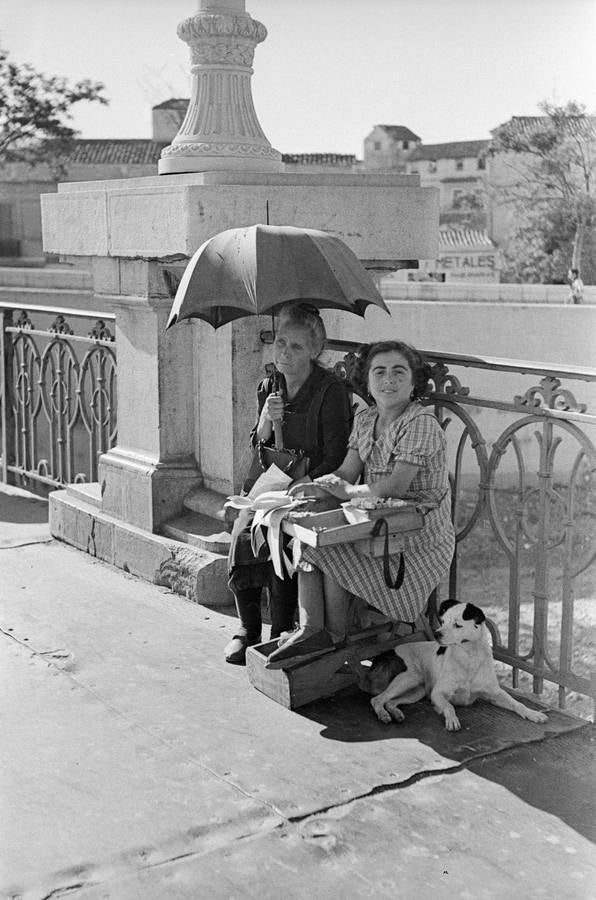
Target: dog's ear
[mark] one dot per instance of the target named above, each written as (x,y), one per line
(445,605)
(474,612)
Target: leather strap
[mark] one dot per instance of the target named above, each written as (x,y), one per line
(393,583)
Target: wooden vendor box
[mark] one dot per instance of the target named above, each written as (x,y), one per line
(332,527)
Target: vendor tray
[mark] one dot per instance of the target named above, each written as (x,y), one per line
(327,528)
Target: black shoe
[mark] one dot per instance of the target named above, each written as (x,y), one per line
(235,651)
(301,646)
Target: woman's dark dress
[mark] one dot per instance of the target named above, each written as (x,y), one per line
(325,442)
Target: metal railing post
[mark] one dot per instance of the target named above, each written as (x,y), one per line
(6,411)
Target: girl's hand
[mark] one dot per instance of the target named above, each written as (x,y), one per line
(335,485)
(307,489)
(273,408)
(330,478)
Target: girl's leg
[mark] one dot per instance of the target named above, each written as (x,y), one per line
(312,637)
(311,600)
(337,603)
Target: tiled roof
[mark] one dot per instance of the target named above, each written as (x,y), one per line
(313,159)
(464,239)
(141,151)
(452,150)
(112,152)
(399,132)
(529,124)
(173,103)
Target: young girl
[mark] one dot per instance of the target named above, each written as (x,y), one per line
(398,449)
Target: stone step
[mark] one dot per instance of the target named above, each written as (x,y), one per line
(88,492)
(200,575)
(199,530)
(206,502)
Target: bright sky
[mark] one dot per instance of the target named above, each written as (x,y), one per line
(329,69)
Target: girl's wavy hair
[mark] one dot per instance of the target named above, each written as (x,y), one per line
(366,353)
(307,316)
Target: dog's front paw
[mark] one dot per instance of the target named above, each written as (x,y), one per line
(452,723)
(395,712)
(534,715)
(380,711)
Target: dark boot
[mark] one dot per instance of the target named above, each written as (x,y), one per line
(248,605)
(283,593)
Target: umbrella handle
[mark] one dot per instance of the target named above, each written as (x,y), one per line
(279,438)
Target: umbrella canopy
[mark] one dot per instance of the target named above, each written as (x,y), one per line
(255,270)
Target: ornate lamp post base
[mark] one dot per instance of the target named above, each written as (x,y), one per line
(221,129)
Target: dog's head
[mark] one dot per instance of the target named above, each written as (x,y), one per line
(460,623)
(374,678)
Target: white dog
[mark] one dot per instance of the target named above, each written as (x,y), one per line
(458,671)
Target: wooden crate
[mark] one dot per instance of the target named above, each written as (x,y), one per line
(301,683)
(306,681)
(325,529)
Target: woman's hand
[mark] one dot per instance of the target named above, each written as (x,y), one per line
(273,408)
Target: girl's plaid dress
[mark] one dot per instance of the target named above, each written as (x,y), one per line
(416,438)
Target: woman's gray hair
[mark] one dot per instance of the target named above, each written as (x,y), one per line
(307,316)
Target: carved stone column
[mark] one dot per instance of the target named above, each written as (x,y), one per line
(221,129)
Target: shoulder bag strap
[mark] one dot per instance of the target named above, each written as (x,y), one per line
(393,583)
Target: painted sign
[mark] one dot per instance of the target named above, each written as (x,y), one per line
(468,261)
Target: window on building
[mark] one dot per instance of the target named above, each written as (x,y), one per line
(432,166)
(406,144)
(459,164)
(377,145)
(481,162)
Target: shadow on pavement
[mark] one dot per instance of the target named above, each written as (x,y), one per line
(555,776)
(23,518)
(21,508)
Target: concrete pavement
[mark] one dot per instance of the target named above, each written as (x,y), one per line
(137,764)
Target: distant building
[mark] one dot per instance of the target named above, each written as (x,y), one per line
(388,147)
(457,168)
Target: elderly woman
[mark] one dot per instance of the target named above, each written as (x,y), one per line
(314,407)
(397,449)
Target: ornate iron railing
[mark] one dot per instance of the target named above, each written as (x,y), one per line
(58,393)
(524,508)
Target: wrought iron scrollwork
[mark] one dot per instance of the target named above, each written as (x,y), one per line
(60,326)
(64,401)
(445,382)
(23,322)
(551,395)
(101,332)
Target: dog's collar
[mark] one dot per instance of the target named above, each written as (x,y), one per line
(441,650)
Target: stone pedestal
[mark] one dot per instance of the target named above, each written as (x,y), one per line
(186,396)
(145,477)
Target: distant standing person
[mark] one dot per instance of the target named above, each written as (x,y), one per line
(576,285)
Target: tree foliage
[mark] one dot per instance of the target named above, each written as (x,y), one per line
(471,210)
(551,186)
(35,114)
